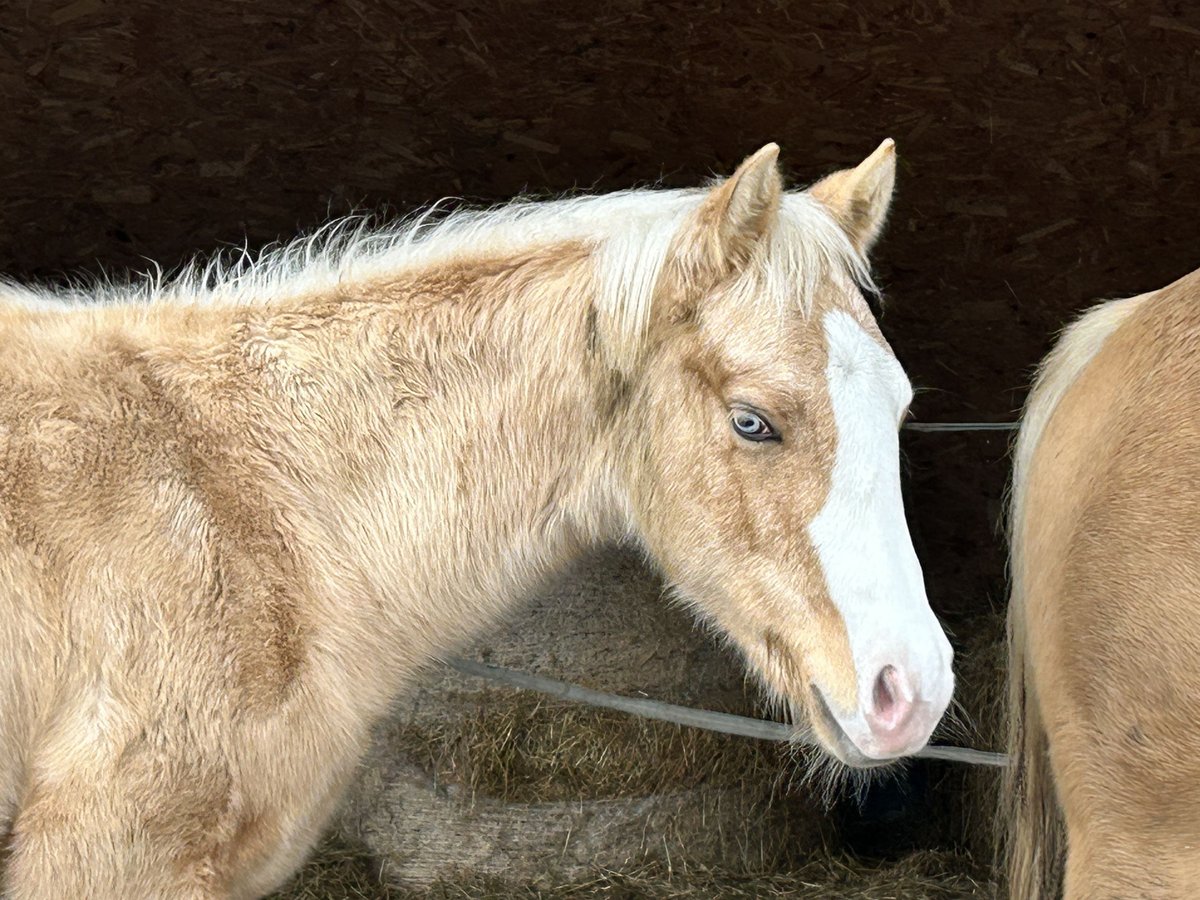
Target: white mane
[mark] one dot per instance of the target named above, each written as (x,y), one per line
(631,230)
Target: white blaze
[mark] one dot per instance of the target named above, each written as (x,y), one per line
(861,537)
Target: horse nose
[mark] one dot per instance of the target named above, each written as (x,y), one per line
(893,704)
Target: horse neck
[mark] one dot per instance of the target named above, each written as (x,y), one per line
(460,453)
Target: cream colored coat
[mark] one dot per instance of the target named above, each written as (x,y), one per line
(240,510)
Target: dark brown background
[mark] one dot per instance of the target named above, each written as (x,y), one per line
(1050,156)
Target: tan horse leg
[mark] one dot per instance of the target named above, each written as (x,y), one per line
(1130,867)
(1123,733)
(77,841)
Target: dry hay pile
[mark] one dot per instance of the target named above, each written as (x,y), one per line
(519,750)
(470,784)
(929,875)
(539,795)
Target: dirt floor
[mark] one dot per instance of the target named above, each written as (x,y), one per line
(924,875)
(1050,156)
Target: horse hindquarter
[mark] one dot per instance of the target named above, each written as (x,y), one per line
(1106,577)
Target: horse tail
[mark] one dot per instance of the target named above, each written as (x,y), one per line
(1035,835)
(1035,839)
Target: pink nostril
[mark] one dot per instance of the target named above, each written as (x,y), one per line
(892,700)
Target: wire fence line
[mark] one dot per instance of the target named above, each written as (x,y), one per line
(726,723)
(961,426)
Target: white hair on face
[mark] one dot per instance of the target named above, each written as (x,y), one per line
(632,233)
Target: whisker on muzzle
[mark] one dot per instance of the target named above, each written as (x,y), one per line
(956,725)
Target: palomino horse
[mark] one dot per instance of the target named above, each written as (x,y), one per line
(241,509)
(1104,620)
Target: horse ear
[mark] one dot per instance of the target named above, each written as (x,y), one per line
(859,198)
(739,212)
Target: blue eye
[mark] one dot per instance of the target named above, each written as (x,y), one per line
(753,426)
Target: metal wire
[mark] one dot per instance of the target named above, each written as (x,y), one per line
(961,426)
(686,715)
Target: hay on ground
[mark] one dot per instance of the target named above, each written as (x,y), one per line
(337,871)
